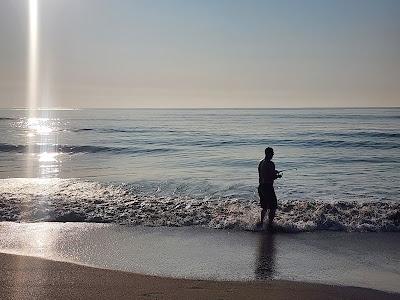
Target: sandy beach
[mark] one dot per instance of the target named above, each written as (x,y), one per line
(35,278)
(99,261)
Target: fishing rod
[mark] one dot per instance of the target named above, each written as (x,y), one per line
(290,169)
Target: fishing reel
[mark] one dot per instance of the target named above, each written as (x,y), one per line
(279,174)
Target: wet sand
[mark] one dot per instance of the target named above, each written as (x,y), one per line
(36,278)
(368,260)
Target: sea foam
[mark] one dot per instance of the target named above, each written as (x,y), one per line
(73,200)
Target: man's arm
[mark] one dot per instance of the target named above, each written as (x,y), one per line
(276,172)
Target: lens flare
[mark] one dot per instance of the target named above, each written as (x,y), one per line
(33,60)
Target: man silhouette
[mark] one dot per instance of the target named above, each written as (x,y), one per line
(267,175)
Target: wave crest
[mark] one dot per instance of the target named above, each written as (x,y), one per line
(85,201)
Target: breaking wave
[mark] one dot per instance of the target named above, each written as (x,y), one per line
(68,200)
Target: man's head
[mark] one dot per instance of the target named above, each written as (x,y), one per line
(269,153)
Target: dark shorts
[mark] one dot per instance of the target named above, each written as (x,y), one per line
(267,197)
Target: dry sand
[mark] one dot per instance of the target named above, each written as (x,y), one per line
(25,277)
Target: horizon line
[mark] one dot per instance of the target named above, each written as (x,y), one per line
(208,108)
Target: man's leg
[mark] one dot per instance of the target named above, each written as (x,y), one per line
(263,213)
(271,217)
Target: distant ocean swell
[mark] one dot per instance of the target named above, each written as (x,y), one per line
(71,149)
(72,200)
(358,134)
(174,143)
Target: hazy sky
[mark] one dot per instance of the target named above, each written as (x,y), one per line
(128,53)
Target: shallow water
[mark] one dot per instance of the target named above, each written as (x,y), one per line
(199,167)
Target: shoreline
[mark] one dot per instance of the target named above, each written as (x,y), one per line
(341,259)
(26,277)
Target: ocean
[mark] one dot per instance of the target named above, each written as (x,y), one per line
(198,167)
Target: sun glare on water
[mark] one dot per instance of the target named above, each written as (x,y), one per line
(48,157)
(39,126)
(43,155)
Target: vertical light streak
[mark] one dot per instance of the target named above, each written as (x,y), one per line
(39,124)
(33,61)
(33,74)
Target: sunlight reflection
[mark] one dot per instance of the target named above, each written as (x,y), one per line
(49,171)
(41,240)
(43,150)
(47,157)
(39,126)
